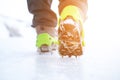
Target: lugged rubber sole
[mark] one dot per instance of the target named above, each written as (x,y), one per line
(69,40)
(44,48)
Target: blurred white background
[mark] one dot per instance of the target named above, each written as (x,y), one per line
(20,61)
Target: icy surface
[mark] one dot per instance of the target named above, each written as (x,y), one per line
(19,59)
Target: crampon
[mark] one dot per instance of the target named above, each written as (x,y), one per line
(70,41)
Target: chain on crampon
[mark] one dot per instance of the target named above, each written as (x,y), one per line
(69,37)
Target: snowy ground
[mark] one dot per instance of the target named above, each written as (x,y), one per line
(19,59)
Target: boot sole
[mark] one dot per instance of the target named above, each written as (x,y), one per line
(69,41)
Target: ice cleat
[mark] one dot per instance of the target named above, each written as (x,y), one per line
(46,43)
(70,32)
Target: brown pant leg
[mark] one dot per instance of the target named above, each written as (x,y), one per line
(82,4)
(42,13)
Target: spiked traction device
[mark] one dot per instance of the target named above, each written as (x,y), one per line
(69,39)
(46,43)
(70,32)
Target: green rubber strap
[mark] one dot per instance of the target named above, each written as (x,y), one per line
(45,38)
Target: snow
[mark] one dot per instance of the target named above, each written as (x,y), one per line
(19,59)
